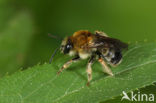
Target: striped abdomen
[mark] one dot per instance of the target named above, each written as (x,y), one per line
(112,56)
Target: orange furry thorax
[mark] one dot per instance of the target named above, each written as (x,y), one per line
(81,39)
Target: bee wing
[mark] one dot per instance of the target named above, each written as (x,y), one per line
(107,42)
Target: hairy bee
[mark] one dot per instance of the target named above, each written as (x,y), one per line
(95,46)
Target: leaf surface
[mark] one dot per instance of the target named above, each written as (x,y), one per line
(40,84)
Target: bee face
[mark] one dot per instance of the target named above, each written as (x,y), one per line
(66,46)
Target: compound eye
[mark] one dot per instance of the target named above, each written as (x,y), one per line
(69,46)
(67,49)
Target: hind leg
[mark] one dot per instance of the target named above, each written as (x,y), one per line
(89,70)
(105,67)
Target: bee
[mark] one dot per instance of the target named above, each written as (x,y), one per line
(95,46)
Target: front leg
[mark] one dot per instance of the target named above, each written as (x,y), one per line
(67,64)
(89,69)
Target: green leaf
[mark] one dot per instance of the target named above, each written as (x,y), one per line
(14,42)
(145,90)
(40,84)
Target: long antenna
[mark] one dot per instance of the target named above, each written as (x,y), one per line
(53,55)
(58,38)
(55,37)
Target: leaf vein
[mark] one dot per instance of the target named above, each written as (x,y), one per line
(31,93)
(77,90)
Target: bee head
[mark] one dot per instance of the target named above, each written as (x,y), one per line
(66,45)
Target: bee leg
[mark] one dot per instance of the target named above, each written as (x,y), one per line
(67,64)
(105,67)
(89,70)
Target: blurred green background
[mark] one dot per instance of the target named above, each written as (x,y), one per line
(25,24)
